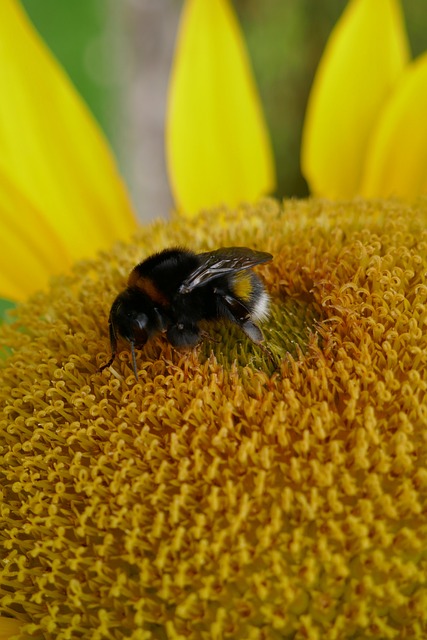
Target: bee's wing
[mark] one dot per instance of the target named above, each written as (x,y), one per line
(221,262)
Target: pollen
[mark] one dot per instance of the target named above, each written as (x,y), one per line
(218,496)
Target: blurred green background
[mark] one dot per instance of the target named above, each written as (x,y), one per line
(110,48)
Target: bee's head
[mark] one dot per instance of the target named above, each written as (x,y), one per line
(134,317)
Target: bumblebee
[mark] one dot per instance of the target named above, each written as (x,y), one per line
(174,290)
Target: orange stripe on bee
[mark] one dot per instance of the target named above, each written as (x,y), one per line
(242,286)
(147,286)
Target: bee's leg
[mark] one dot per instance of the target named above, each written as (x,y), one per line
(207,336)
(255,334)
(241,316)
(182,334)
(134,367)
(113,344)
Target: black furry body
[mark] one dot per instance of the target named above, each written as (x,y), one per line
(174,290)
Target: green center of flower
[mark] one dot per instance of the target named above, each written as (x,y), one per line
(286,333)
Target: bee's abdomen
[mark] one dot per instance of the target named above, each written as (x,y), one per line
(248,288)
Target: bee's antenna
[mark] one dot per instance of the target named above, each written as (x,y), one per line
(135,368)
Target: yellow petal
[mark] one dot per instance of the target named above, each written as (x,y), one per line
(30,250)
(364,57)
(52,148)
(397,159)
(217,145)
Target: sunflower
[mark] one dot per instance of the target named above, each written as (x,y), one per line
(220,496)
(216,497)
